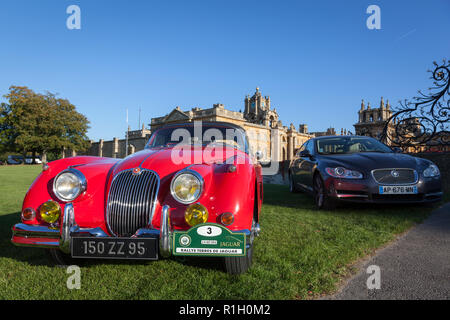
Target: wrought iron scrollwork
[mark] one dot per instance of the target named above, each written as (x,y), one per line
(422,125)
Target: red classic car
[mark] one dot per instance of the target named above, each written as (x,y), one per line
(194,190)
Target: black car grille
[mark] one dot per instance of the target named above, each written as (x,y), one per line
(395,176)
(131,201)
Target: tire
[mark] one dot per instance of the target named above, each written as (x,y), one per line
(321,198)
(292,187)
(61,259)
(239,265)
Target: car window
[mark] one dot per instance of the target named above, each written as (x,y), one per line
(220,135)
(346,145)
(303,147)
(310,147)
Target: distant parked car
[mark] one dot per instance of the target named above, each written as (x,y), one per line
(362,169)
(14,159)
(29,160)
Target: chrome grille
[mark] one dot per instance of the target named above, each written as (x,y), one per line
(395,176)
(131,201)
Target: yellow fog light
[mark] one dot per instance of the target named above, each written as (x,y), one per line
(195,214)
(50,211)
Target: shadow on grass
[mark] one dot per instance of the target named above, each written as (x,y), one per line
(39,257)
(208,263)
(32,256)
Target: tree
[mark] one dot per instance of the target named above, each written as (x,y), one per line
(41,123)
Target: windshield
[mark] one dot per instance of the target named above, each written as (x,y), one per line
(346,145)
(216,135)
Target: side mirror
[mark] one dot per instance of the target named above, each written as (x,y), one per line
(305,154)
(397,150)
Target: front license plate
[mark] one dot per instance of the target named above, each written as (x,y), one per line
(209,239)
(398,189)
(115,248)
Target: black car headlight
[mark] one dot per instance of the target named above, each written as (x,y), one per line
(431,171)
(341,172)
(186,186)
(69,184)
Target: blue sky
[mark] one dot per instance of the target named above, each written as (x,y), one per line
(316,59)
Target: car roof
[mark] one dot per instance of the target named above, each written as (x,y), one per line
(344,136)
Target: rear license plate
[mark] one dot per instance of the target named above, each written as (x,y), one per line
(115,248)
(398,189)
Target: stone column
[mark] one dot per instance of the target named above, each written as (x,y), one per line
(275,145)
(115,147)
(100,148)
(290,147)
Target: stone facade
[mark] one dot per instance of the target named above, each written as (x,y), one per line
(371,121)
(116,148)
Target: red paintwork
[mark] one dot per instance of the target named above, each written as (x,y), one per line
(223,191)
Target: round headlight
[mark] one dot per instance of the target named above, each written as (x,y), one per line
(50,211)
(186,187)
(69,184)
(196,214)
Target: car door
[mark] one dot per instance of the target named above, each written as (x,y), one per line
(306,165)
(309,165)
(295,166)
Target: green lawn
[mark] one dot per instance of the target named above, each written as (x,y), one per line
(302,253)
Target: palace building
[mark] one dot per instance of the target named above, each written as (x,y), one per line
(371,121)
(260,120)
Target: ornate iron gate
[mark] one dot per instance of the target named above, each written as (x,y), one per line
(422,125)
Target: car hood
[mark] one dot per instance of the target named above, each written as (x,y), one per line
(370,161)
(165,161)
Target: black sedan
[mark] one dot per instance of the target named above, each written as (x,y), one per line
(361,169)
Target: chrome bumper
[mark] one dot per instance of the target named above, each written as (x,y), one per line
(46,237)
(35,236)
